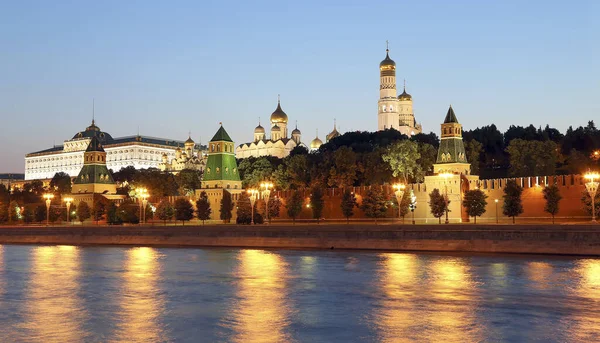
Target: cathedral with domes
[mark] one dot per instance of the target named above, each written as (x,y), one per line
(277,143)
(394,111)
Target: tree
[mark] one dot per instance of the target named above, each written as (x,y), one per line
(475,203)
(532,157)
(14,211)
(28,215)
(203,210)
(40,213)
(586,199)
(165,211)
(402,157)
(99,208)
(317,203)
(437,204)
(128,212)
(552,197)
(61,182)
(428,156)
(294,205)
(184,210)
(226,207)
(348,204)
(188,181)
(274,207)
(474,150)
(112,214)
(244,209)
(374,204)
(83,211)
(343,171)
(512,206)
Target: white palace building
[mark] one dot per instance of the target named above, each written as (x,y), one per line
(138,151)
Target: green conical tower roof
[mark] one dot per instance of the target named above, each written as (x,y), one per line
(95,145)
(221,135)
(450,116)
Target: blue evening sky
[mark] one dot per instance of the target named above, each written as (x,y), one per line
(171,67)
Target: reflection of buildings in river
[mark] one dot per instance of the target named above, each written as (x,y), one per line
(262,312)
(540,273)
(141,303)
(395,317)
(54,311)
(2,281)
(452,316)
(584,322)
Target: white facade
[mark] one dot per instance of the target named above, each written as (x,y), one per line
(138,151)
(394,111)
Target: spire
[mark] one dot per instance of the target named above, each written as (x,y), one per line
(258,121)
(450,116)
(93,111)
(404,85)
(387,46)
(278,99)
(334,124)
(296,125)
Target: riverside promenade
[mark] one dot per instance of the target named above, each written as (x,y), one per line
(524,239)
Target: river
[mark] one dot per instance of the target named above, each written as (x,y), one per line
(141,294)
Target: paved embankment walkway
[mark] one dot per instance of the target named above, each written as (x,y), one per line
(536,239)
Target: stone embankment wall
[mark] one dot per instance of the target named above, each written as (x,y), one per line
(568,239)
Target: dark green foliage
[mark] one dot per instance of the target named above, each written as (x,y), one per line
(274,207)
(188,181)
(474,152)
(28,215)
(184,210)
(348,204)
(374,204)
(203,210)
(244,209)
(112,214)
(552,197)
(528,158)
(99,208)
(61,182)
(513,205)
(294,205)
(165,211)
(40,213)
(474,202)
(437,204)
(343,171)
(226,207)
(586,199)
(317,203)
(84,212)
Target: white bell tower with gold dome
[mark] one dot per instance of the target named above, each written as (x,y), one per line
(387,104)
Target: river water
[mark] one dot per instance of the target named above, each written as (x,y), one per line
(141,294)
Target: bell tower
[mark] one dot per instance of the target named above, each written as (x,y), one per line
(387,105)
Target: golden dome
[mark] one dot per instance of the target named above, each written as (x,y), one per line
(387,62)
(316,143)
(279,116)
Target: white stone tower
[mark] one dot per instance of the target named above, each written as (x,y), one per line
(387,104)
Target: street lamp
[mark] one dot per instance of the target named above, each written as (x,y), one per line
(399,187)
(48,197)
(68,202)
(266,193)
(143,193)
(592,188)
(496,201)
(254,193)
(413,205)
(446,176)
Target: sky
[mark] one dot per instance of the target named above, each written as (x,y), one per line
(172,67)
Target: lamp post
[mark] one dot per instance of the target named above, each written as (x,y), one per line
(413,205)
(68,202)
(399,187)
(143,193)
(446,176)
(592,188)
(266,193)
(48,197)
(253,195)
(496,201)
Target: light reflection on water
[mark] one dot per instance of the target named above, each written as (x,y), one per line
(53,307)
(55,293)
(141,301)
(261,312)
